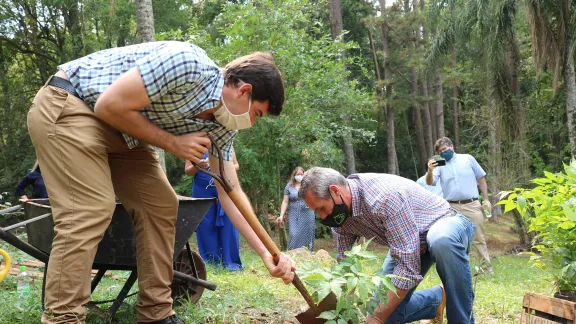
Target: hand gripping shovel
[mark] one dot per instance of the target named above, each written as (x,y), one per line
(309,316)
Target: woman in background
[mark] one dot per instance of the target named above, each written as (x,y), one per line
(35,179)
(218,241)
(301,223)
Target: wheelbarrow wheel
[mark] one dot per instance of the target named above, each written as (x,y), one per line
(182,289)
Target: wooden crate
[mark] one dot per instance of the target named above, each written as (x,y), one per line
(541,309)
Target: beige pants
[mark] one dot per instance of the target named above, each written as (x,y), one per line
(473,211)
(85,163)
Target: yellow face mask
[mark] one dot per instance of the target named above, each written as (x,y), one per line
(230,121)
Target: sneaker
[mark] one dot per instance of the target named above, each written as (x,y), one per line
(168,320)
(439,312)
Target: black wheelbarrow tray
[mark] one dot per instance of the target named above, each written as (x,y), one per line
(117,250)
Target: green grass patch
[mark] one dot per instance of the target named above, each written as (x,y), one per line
(252,296)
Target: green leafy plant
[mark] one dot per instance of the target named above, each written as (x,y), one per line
(549,209)
(354,288)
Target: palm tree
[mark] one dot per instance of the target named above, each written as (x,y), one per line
(552,29)
(489,24)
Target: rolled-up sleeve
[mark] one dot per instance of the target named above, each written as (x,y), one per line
(404,241)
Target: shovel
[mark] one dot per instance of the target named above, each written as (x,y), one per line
(310,315)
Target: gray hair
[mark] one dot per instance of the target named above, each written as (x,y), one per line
(317,180)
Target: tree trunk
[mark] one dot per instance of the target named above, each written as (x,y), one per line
(519,123)
(393,167)
(146,32)
(414,90)
(439,111)
(570,85)
(336,20)
(145,21)
(455,112)
(71,19)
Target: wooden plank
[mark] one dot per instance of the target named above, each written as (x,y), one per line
(533,319)
(550,305)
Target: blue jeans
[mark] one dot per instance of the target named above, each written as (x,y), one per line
(449,241)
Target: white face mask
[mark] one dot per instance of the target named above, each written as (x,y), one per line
(230,121)
(298,178)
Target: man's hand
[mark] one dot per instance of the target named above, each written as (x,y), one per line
(24,198)
(284,269)
(487,205)
(191,146)
(432,164)
(378,317)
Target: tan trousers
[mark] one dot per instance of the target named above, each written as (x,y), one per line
(473,211)
(85,163)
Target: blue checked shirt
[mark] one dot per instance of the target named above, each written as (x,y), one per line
(180,79)
(393,211)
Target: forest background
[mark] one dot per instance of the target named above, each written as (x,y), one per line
(370,85)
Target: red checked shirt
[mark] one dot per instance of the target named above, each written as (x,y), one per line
(393,211)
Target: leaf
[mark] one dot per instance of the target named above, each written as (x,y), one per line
(355,249)
(567,225)
(342,321)
(503,194)
(328,315)
(569,212)
(509,206)
(314,278)
(521,201)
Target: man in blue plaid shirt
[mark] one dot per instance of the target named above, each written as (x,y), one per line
(93,125)
(418,226)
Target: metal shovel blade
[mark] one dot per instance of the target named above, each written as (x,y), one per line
(310,315)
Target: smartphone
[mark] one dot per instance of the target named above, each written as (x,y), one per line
(441,162)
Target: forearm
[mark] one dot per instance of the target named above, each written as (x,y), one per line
(283,209)
(384,311)
(190,169)
(133,123)
(429,177)
(240,222)
(483,188)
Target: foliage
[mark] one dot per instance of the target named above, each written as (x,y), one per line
(550,210)
(357,291)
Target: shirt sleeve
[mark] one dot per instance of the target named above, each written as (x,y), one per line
(173,68)
(478,171)
(403,239)
(287,190)
(25,182)
(344,242)
(224,138)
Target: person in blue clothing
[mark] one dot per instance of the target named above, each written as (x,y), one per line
(217,237)
(460,179)
(435,188)
(35,179)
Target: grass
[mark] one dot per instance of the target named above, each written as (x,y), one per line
(252,296)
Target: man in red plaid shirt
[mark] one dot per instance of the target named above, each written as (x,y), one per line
(418,226)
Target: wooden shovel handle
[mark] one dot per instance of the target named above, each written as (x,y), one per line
(252,220)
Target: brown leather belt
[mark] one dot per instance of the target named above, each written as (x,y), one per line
(465,201)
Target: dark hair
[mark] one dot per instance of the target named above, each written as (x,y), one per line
(259,70)
(444,141)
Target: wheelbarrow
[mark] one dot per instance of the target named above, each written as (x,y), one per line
(117,250)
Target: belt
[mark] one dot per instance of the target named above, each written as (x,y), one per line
(464,201)
(63,84)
